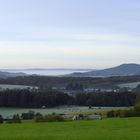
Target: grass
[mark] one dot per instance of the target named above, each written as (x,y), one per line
(129,85)
(59,110)
(106,129)
(102,111)
(7,86)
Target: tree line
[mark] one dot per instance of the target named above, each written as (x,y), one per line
(27,99)
(32,99)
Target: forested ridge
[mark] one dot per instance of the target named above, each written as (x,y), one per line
(48,81)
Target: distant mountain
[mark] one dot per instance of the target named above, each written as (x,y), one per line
(8,74)
(122,70)
(47,69)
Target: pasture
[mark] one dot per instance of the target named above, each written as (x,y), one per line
(106,129)
(12,87)
(129,85)
(71,110)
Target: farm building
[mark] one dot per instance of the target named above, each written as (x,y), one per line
(82,117)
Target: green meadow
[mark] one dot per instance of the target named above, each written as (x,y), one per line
(106,129)
(129,85)
(71,110)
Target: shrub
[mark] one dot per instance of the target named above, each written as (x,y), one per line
(16,119)
(9,121)
(49,118)
(1,119)
(111,114)
(54,118)
(39,118)
(124,113)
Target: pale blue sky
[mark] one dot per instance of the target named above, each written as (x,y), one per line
(69,33)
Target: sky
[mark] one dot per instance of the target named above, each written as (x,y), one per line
(69,33)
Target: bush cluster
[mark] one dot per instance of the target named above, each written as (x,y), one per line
(49,118)
(15,119)
(1,119)
(124,113)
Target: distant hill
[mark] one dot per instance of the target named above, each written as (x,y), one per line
(8,74)
(122,70)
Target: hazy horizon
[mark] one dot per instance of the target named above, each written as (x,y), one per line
(61,68)
(91,34)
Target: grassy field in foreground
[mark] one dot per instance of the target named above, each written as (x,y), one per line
(106,129)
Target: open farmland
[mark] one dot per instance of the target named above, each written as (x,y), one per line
(129,85)
(106,129)
(71,110)
(11,87)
